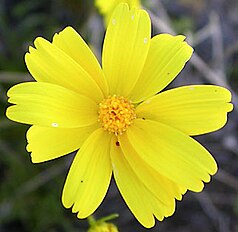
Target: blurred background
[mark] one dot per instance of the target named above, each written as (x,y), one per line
(30,195)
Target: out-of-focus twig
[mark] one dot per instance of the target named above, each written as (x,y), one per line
(207,72)
(227,179)
(39,180)
(217,217)
(31,185)
(14,77)
(201,35)
(218,63)
(231,50)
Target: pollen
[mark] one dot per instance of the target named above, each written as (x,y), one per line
(116,114)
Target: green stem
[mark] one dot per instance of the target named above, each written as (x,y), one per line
(91,220)
(108,218)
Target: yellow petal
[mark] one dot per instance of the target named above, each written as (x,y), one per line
(89,175)
(45,104)
(195,109)
(47,143)
(160,210)
(165,189)
(106,7)
(172,153)
(131,188)
(70,42)
(125,48)
(48,63)
(166,58)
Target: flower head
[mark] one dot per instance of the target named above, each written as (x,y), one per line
(115,116)
(102,225)
(106,7)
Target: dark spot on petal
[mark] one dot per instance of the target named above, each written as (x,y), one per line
(81,181)
(143,118)
(168,73)
(117,143)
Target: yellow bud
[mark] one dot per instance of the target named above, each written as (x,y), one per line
(103,227)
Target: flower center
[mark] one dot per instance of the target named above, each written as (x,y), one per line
(116,114)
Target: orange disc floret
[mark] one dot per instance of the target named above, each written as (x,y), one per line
(116,114)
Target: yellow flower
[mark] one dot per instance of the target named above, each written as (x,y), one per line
(106,7)
(117,119)
(102,225)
